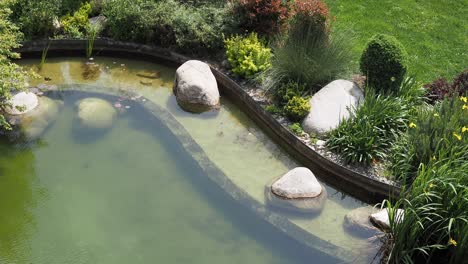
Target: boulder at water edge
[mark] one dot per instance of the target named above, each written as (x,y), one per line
(195,87)
(22,103)
(381,220)
(35,122)
(358,222)
(96,113)
(330,105)
(298,190)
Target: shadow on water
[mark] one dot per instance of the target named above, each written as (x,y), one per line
(244,220)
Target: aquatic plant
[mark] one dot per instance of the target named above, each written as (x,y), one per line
(44,55)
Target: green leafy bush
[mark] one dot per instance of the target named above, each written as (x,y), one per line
(36,18)
(285,92)
(273,109)
(296,129)
(384,62)
(297,108)
(308,56)
(76,26)
(167,23)
(12,77)
(371,130)
(247,55)
(431,133)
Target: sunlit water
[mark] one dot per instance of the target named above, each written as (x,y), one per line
(228,137)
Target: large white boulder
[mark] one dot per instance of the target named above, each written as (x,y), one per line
(22,103)
(382,221)
(195,87)
(96,113)
(330,105)
(299,182)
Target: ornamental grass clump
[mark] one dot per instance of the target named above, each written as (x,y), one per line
(431,132)
(308,53)
(384,63)
(371,129)
(247,55)
(435,224)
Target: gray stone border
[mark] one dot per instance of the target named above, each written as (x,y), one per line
(344,179)
(280,222)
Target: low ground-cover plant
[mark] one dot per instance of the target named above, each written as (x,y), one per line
(297,108)
(296,129)
(384,62)
(286,91)
(247,55)
(441,88)
(431,133)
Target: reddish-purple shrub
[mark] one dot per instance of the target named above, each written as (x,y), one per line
(441,88)
(266,17)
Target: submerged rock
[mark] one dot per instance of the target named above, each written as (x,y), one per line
(298,190)
(381,220)
(149,74)
(22,103)
(33,123)
(332,104)
(91,71)
(96,113)
(195,87)
(358,222)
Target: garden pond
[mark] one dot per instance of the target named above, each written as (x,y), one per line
(135,195)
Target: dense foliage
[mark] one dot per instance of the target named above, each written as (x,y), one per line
(11,76)
(77,25)
(297,108)
(266,17)
(441,88)
(247,55)
(309,56)
(286,91)
(384,62)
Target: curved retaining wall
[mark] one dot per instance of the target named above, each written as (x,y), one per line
(344,179)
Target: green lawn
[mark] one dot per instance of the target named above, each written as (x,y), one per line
(434,32)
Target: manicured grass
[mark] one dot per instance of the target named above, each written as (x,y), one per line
(434,32)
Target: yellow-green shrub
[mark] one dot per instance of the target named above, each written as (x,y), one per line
(76,25)
(297,108)
(247,55)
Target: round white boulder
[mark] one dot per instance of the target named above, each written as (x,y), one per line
(96,113)
(332,104)
(195,87)
(25,101)
(299,182)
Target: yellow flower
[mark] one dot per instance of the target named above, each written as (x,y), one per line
(452,242)
(431,185)
(464,129)
(464,99)
(433,158)
(412,125)
(457,136)
(465,107)
(436,114)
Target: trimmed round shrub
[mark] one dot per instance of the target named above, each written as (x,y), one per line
(297,108)
(384,62)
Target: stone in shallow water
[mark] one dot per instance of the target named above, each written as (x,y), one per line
(330,105)
(381,220)
(27,102)
(297,191)
(34,123)
(96,113)
(358,222)
(195,87)
(297,183)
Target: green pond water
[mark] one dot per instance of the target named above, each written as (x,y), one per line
(131,195)
(119,172)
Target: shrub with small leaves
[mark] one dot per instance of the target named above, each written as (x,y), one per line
(75,26)
(247,55)
(285,92)
(441,88)
(296,129)
(297,108)
(273,109)
(384,62)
